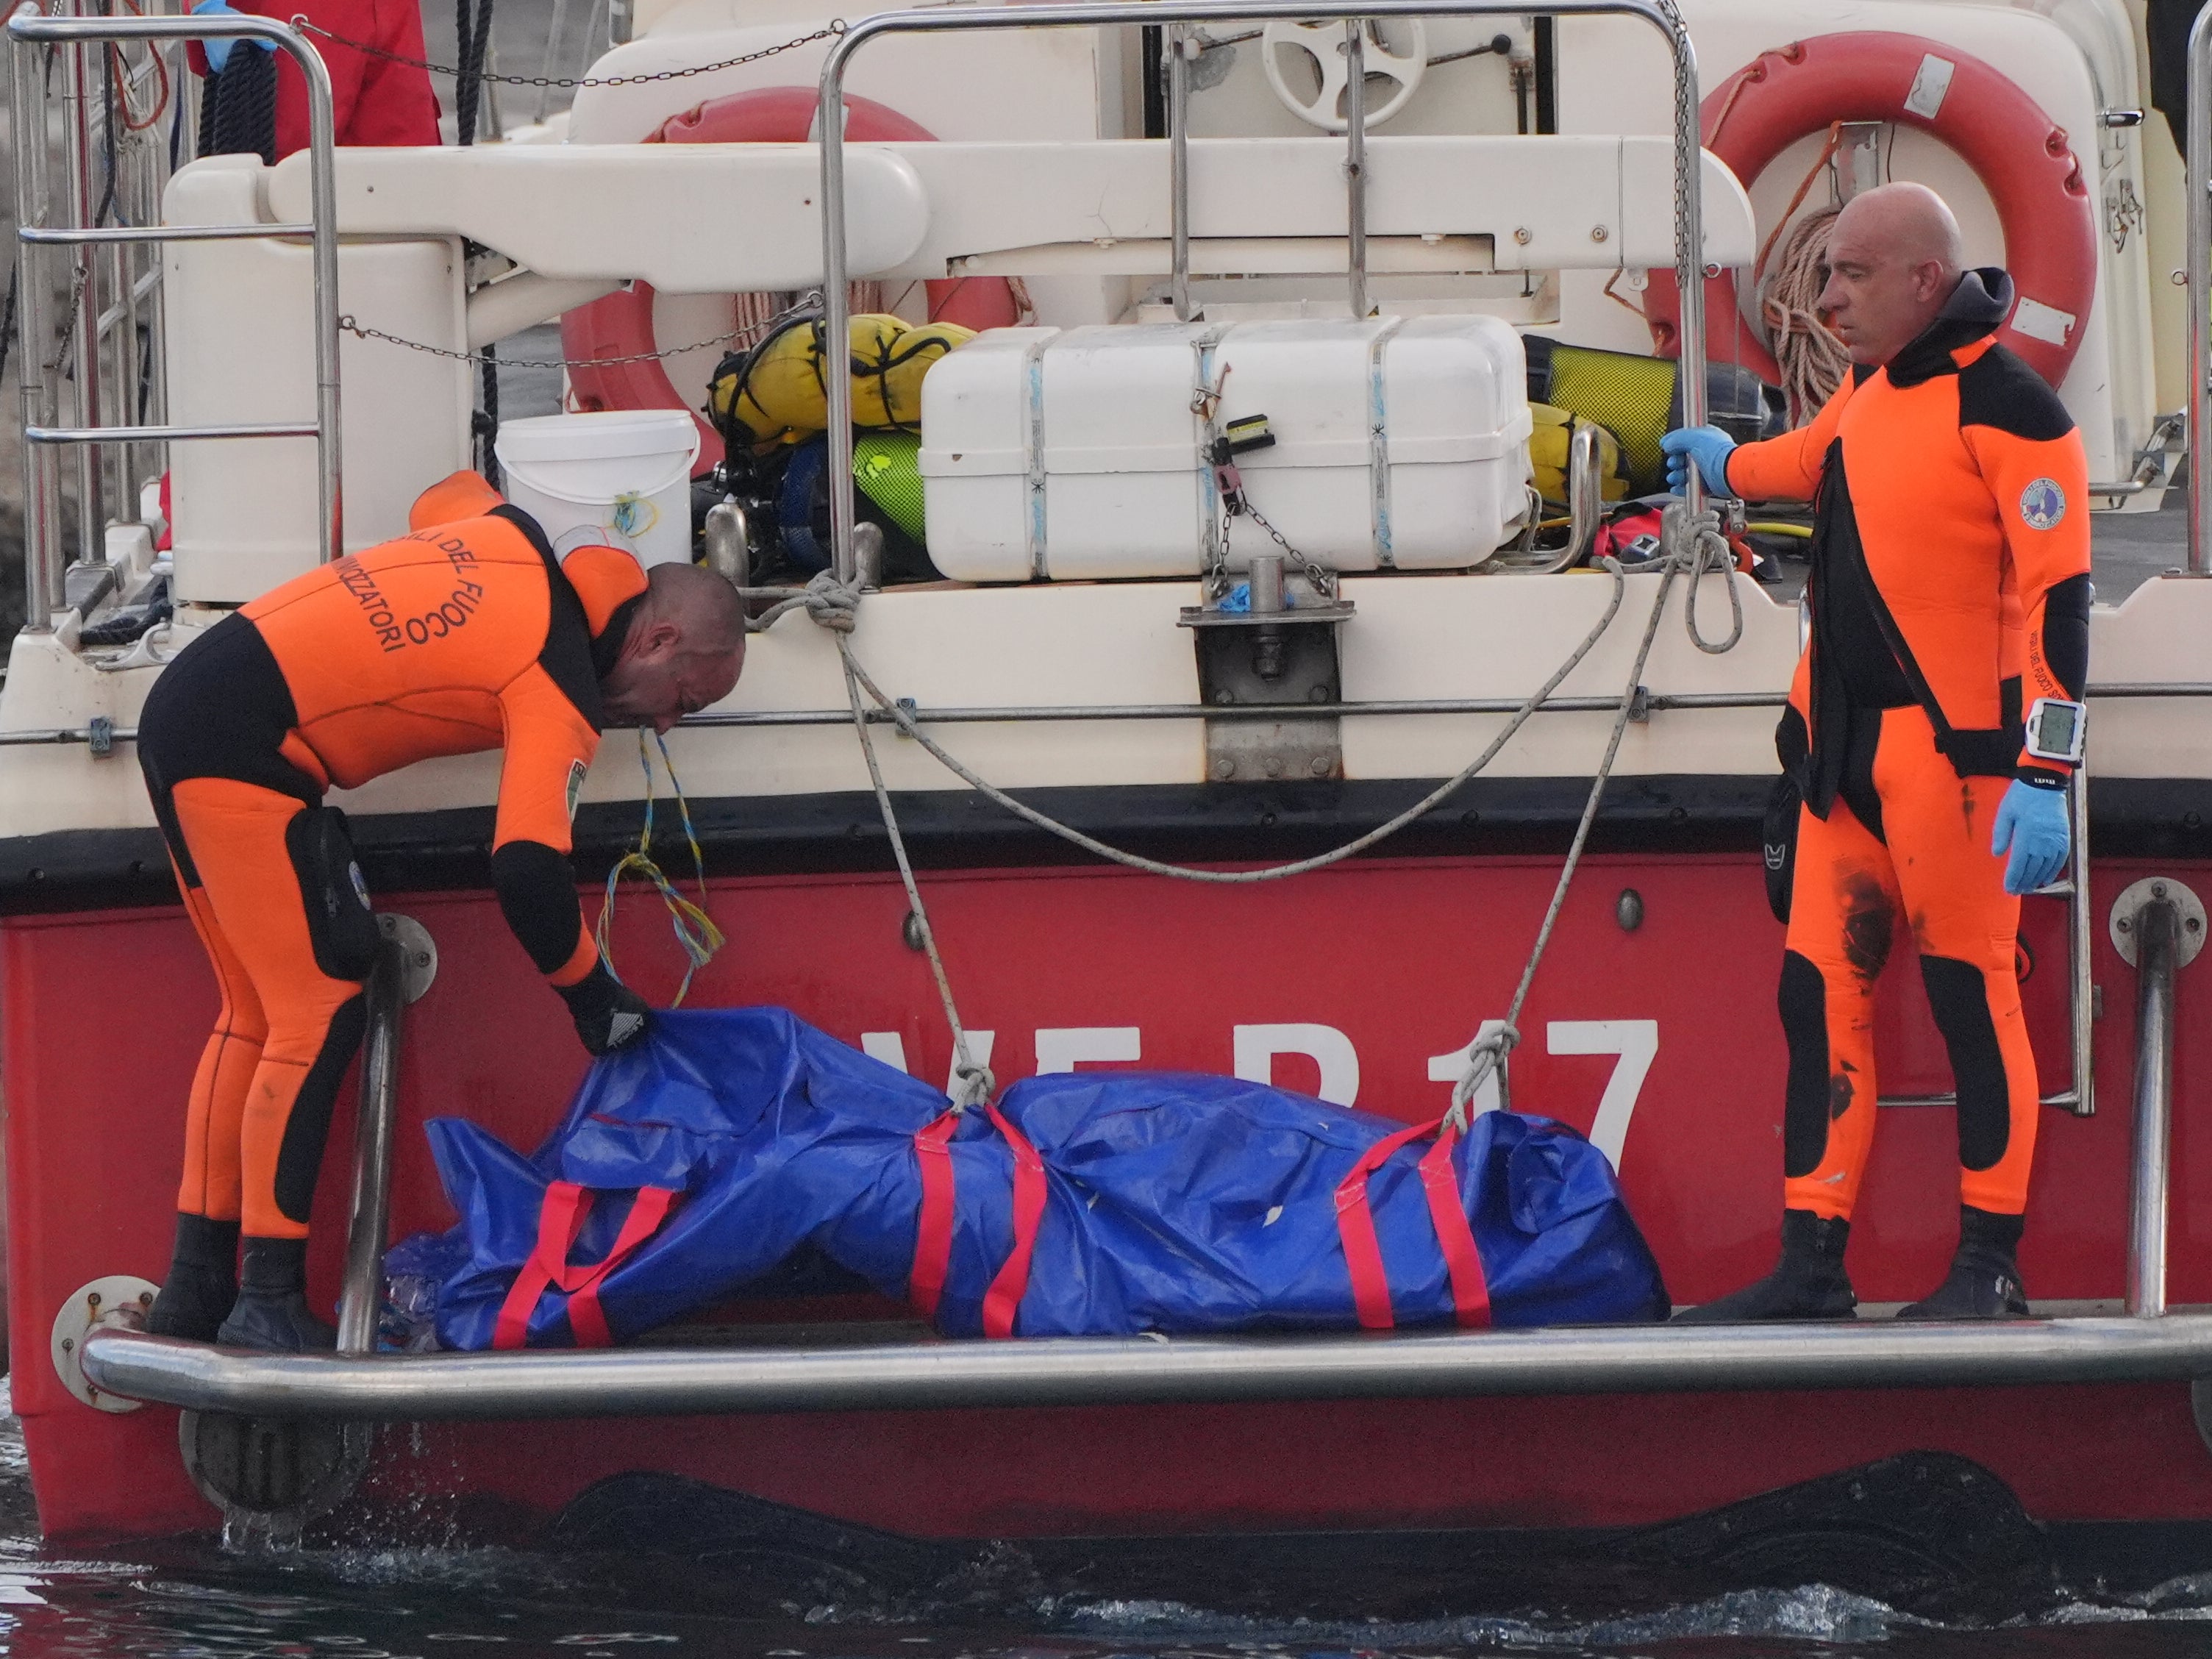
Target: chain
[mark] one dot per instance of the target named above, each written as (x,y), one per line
(833,29)
(1324,581)
(361,332)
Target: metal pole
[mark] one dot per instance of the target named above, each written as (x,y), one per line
(40,395)
(1355,159)
(1661,15)
(375,1128)
(2080,963)
(2200,294)
(929,1374)
(2157,932)
(1689,237)
(1179,167)
(26,24)
(836,328)
(83,321)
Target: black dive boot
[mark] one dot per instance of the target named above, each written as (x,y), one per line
(202,1280)
(271,1314)
(1984,1282)
(1808,1282)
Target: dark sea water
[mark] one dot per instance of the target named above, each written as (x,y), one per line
(192,1598)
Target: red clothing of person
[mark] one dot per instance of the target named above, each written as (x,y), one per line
(375,102)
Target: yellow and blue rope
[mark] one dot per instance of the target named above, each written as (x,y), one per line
(695,930)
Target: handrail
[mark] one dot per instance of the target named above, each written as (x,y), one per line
(2199,232)
(928,1374)
(2157,933)
(1661,15)
(28,25)
(376,1127)
(1658,702)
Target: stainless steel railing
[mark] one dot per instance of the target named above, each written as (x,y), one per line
(2199,231)
(96,373)
(2157,932)
(1661,15)
(926,1374)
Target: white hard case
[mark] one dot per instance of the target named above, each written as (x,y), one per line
(1399,442)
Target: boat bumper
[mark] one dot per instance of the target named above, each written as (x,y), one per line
(930,1373)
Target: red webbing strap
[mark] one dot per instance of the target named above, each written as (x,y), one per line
(932,1242)
(1355,1225)
(561,1218)
(1003,1299)
(587,1322)
(1470,1290)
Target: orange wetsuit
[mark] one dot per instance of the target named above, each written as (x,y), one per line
(466,635)
(1950,581)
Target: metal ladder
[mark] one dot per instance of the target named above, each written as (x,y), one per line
(101,377)
(2079,1095)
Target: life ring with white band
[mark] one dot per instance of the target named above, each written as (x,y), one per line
(2022,156)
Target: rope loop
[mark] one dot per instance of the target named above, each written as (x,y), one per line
(1694,544)
(695,932)
(1485,1054)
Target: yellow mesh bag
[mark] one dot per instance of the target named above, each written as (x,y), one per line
(1629,396)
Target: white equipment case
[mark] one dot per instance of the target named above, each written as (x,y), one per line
(1399,443)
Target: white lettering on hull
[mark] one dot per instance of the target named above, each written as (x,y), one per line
(1062,1049)
(1254,1048)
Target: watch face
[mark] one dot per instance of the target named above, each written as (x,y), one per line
(2057,725)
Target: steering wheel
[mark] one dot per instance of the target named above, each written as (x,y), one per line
(1322,42)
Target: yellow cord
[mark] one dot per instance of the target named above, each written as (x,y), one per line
(694,929)
(1775,528)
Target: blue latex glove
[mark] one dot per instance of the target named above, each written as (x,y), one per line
(2032,826)
(218,51)
(1709,447)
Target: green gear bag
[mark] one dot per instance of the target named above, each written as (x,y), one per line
(886,466)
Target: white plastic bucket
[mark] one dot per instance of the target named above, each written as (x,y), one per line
(624,473)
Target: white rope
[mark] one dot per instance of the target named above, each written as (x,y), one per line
(908,727)
(1813,360)
(1695,546)
(1692,544)
(973,1084)
(1686,539)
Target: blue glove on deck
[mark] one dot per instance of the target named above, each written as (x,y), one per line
(1709,447)
(2031,824)
(218,51)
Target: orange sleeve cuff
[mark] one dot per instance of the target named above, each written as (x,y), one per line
(580,961)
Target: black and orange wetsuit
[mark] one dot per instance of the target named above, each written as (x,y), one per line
(1950,581)
(465,636)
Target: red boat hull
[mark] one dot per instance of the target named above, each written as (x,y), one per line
(1401,959)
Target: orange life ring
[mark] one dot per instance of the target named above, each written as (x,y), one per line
(621,325)
(2021,157)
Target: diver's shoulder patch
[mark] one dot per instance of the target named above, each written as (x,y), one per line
(577,770)
(2042,504)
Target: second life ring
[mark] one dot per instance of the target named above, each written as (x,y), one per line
(621,325)
(2020,155)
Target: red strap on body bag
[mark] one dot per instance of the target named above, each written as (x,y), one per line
(560,1219)
(933,1244)
(1363,1253)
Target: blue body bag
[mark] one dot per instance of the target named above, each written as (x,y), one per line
(701,1157)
